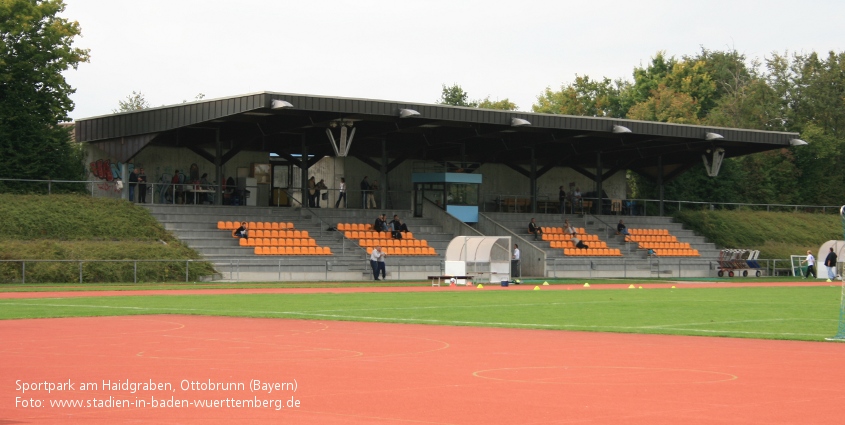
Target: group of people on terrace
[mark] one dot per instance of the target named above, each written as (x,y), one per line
(568,228)
(396,227)
(317,192)
(182,189)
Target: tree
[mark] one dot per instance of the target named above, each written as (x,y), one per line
(133,102)
(456,96)
(35,48)
(668,84)
(502,105)
(585,97)
(666,105)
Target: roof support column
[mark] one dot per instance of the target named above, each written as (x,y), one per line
(303,168)
(533,178)
(599,172)
(124,173)
(383,175)
(218,168)
(660,185)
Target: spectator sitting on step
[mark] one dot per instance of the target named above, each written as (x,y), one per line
(568,229)
(578,243)
(651,253)
(242,231)
(621,229)
(534,229)
(380,224)
(397,227)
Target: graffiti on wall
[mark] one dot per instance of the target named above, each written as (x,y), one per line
(101,169)
(109,173)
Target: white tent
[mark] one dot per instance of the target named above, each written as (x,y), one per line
(838,249)
(485,257)
(798,264)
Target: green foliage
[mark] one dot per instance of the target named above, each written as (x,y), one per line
(502,105)
(75,217)
(135,102)
(79,227)
(586,97)
(456,96)
(776,234)
(803,313)
(802,92)
(666,105)
(35,49)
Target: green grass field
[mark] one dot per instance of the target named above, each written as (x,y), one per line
(794,313)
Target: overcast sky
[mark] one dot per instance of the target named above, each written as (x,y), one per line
(406,50)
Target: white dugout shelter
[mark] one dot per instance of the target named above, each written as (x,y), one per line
(821,269)
(485,257)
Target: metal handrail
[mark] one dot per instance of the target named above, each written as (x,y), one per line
(83,261)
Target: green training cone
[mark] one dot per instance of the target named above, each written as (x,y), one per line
(631,286)
(586,285)
(545,283)
(480,286)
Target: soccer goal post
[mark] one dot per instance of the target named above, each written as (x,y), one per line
(840,332)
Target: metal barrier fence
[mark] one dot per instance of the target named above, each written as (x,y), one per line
(673,267)
(15,271)
(489,202)
(561,268)
(549,204)
(395,270)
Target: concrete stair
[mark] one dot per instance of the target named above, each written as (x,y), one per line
(196,226)
(633,263)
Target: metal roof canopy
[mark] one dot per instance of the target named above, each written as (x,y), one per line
(438,133)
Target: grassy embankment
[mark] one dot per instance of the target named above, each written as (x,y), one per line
(776,235)
(79,227)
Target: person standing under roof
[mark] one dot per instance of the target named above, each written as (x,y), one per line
(341,194)
(365,191)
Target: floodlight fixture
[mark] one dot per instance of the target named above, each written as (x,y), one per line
(519,122)
(280,104)
(621,129)
(407,113)
(713,136)
(797,142)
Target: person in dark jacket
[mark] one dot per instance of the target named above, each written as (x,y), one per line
(365,190)
(534,229)
(830,262)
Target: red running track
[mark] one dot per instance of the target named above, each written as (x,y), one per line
(372,373)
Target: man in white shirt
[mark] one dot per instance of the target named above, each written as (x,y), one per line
(381,265)
(341,194)
(515,261)
(374,259)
